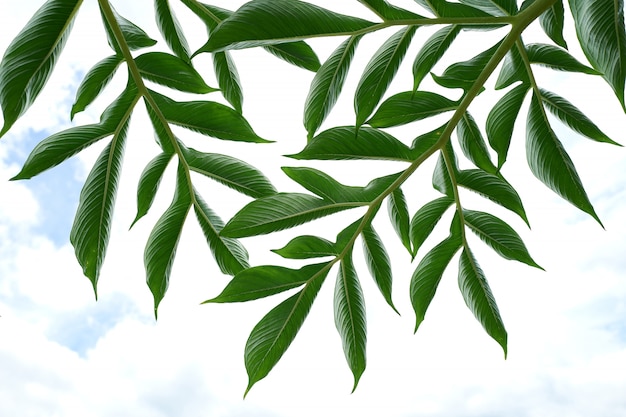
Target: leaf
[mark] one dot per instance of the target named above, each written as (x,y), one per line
(268,22)
(230,254)
(513,69)
(171,30)
(209,14)
(94,82)
(399,215)
(441,178)
(387,11)
(297,53)
(172,72)
(271,337)
(494,7)
(306,247)
(149,183)
(556,58)
(494,188)
(232,172)
(473,144)
(208,118)
(350,319)
(551,22)
(431,52)
(479,299)
(425,220)
(378,263)
(228,79)
(501,121)
(407,107)
(600,29)
(379,72)
(572,117)
(30,57)
(263,281)
(428,274)
(134,36)
(499,236)
(442,8)
(163,240)
(549,161)
(464,74)
(327,85)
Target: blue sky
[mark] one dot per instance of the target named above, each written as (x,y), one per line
(64,354)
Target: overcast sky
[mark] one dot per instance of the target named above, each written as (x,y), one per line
(63,354)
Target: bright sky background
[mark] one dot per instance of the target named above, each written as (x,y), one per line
(63,354)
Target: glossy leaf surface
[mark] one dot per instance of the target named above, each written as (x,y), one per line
(425,220)
(149,183)
(378,263)
(94,82)
(432,51)
(172,72)
(171,29)
(407,107)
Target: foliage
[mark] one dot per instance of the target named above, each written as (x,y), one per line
(282,27)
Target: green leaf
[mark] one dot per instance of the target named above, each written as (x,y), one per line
(271,337)
(350,319)
(499,236)
(431,52)
(208,118)
(345,142)
(428,273)
(441,178)
(267,22)
(228,79)
(263,281)
(556,58)
(30,57)
(387,11)
(306,247)
(501,121)
(232,172)
(172,72)
(163,240)
(230,254)
(134,36)
(149,183)
(443,8)
(94,82)
(407,107)
(493,187)
(378,263)
(549,161)
(298,53)
(600,29)
(327,85)
(399,215)
(513,69)
(425,220)
(479,299)
(209,14)
(464,74)
(473,144)
(171,30)
(494,7)
(379,72)
(552,22)
(572,117)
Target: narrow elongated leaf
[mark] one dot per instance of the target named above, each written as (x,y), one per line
(208,118)
(443,8)
(499,235)
(228,79)
(494,7)
(399,216)
(345,142)
(230,254)
(163,134)
(232,172)
(387,11)
(556,58)
(549,161)
(149,183)
(263,281)
(432,51)
(464,74)
(428,273)
(94,82)
(209,14)
(501,121)
(268,22)
(134,36)
(271,337)
(473,144)
(552,22)
(407,107)
(306,247)
(494,188)
(479,299)
(378,263)
(441,178)
(379,72)
(171,30)
(513,69)
(425,220)
(30,57)
(327,85)
(172,72)
(298,53)
(600,29)
(350,317)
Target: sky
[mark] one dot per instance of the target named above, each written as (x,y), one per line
(64,354)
